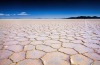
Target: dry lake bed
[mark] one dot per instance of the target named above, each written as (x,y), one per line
(50,42)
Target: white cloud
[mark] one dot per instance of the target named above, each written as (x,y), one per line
(1,14)
(13,14)
(22,13)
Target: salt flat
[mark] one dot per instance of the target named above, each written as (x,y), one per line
(49,42)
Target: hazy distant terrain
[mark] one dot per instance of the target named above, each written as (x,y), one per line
(49,41)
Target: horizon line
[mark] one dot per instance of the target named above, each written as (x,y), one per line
(73,17)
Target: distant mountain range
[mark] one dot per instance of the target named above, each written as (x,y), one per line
(84,17)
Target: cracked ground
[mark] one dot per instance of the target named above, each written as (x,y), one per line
(50,42)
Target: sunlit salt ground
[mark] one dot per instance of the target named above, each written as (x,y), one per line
(49,42)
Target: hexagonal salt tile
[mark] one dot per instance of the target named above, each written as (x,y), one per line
(93,56)
(67,51)
(56,46)
(83,49)
(11,43)
(36,42)
(91,45)
(24,43)
(15,48)
(5,54)
(34,54)
(5,62)
(18,56)
(80,60)
(30,62)
(45,48)
(56,58)
(29,47)
(42,38)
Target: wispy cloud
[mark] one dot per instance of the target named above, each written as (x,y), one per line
(14,14)
(1,14)
(23,13)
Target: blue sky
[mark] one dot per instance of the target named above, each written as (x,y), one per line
(48,8)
